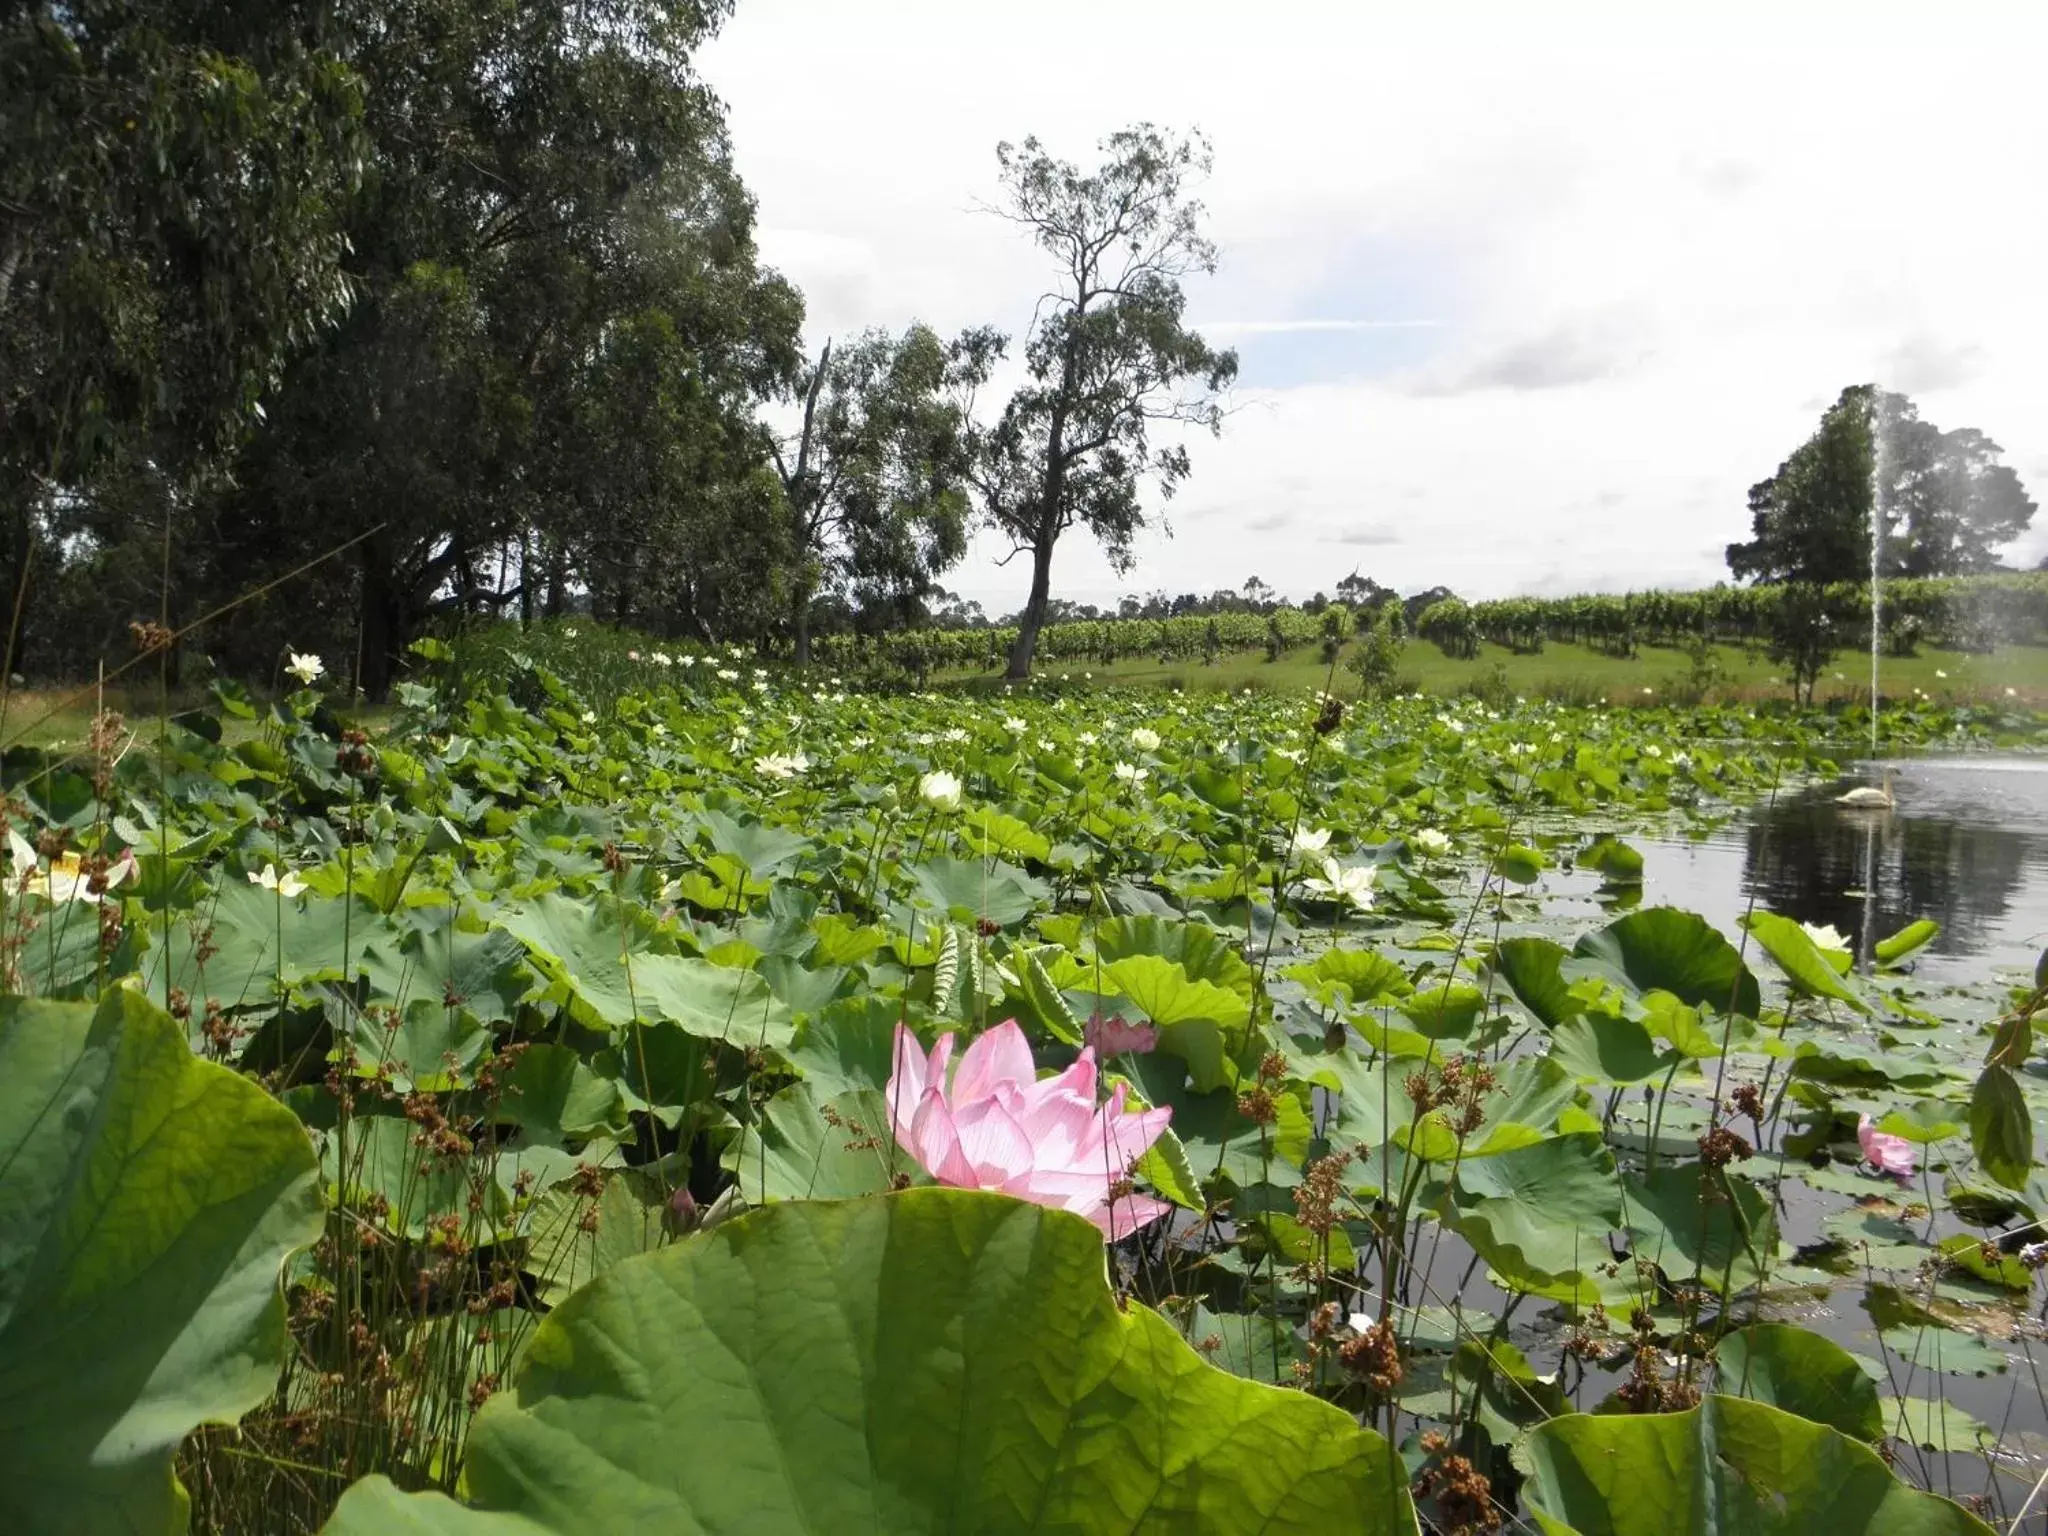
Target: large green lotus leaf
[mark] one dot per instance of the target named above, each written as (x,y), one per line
(1692,1233)
(253,938)
(482,970)
(1532,968)
(973,888)
(850,1045)
(1192,1015)
(1676,952)
(1445,1011)
(599,959)
(1725,1468)
(2001,1130)
(1359,976)
(1538,1212)
(991,832)
(1201,951)
(1600,1048)
(814,1144)
(935,1360)
(1803,1373)
(148,1201)
(766,851)
(554,1097)
(1801,959)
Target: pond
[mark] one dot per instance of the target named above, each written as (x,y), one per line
(1966,844)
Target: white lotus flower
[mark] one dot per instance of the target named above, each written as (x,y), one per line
(1013,725)
(781,765)
(857,743)
(306,667)
(286,884)
(727,675)
(1340,884)
(957,734)
(1430,841)
(1824,936)
(1653,750)
(1145,739)
(590,717)
(1086,738)
(940,790)
(1130,773)
(1311,842)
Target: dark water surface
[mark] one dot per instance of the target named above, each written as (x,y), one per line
(1966,843)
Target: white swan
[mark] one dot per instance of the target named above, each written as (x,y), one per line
(1865,797)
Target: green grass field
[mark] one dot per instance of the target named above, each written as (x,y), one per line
(1590,676)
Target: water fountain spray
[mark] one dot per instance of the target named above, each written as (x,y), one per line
(1877,489)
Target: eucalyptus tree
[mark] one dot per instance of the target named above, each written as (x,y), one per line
(875,474)
(551,222)
(173,193)
(1109,357)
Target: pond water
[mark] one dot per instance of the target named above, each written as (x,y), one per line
(1966,843)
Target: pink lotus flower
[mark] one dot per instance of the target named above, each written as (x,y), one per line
(1115,1037)
(1885,1152)
(998,1127)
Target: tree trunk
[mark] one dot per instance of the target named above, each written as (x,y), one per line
(383,622)
(1034,612)
(800,623)
(529,579)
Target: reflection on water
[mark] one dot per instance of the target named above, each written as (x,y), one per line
(1966,844)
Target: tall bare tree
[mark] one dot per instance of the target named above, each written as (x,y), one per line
(1108,356)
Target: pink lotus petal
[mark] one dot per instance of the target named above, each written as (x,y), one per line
(1887,1153)
(1117,1037)
(999,1055)
(1127,1215)
(907,1079)
(993,1143)
(1130,1136)
(935,1143)
(1078,1081)
(997,1127)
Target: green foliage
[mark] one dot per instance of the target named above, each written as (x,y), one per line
(1803,636)
(1376,659)
(150,1200)
(875,479)
(1727,1465)
(1055,1407)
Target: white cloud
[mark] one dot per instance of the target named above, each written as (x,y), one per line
(1531,294)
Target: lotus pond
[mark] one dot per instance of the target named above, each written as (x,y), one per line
(723,1101)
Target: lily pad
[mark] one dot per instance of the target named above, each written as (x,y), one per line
(812,1357)
(148,1201)
(1725,1466)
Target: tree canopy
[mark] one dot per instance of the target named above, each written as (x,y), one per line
(1946,504)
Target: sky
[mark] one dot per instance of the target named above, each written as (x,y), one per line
(1525,296)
